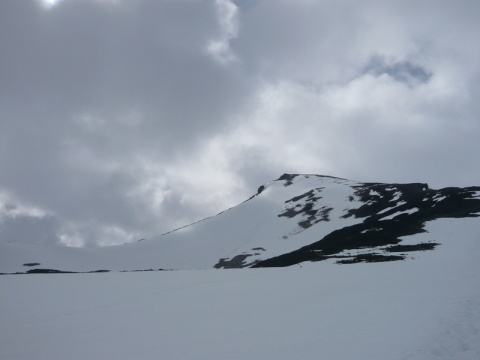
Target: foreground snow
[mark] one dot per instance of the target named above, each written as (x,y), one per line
(423,309)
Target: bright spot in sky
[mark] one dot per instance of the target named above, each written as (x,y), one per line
(50,3)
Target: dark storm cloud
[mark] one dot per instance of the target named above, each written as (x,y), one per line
(123,119)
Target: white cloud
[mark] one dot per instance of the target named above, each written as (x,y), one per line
(118,124)
(12,208)
(219,48)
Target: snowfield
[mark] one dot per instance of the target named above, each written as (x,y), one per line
(423,309)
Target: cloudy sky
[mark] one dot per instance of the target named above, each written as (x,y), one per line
(123,119)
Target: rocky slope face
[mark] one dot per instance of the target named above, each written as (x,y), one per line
(389,212)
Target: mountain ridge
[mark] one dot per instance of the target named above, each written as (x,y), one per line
(290,220)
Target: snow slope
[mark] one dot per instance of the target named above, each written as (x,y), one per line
(254,224)
(425,309)
(293,219)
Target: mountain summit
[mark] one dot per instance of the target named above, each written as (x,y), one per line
(291,220)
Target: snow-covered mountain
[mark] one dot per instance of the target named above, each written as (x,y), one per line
(291,220)
(424,307)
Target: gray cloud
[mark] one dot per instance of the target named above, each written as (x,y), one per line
(120,120)
(403,71)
